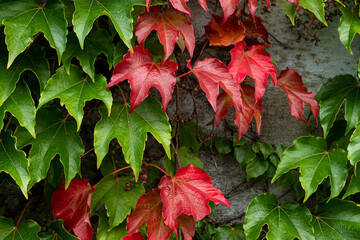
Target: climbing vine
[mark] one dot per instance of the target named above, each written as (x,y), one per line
(81,120)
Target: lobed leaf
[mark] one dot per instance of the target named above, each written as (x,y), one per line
(230,233)
(316,163)
(131,131)
(27,229)
(288,221)
(23,20)
(348,27)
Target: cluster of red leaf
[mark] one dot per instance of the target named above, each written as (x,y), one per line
(249,62)
(178,202)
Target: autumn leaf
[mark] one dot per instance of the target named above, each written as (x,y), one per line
(135,236)
(188,192)
(226,34)
(253,4)
(149,209)
(142,73)
(253,62)
(73,207)
(254,28)
(250,108)
(169,24)
(212,73)
(229,7)
(291,82)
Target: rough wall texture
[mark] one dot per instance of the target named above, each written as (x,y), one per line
(315,64)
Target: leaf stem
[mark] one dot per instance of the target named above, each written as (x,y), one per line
(86,152)
(8,123)
(153,165)
(184,74)
(122,93)
(23,211)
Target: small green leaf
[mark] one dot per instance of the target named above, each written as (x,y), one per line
(186,158)
(230,233)
(354,185)
(13,161)
(74,90)
(286,222)
(21,105)
(244,155)
(103,232)
(256,167)
(118,200)
(353,147)
(223,146)
(57,232)
(119,52)
(25,19)
(205,230)
(337,220)
(331,97)
(280,150)
(264,148)
(98,41)
(235,140)
(337,131)
(316,164)
(27,229)
(187,136)
(316,7)
(131,131)
(289,9)
(32,59)
(54,135)
(348,27)
(291,178)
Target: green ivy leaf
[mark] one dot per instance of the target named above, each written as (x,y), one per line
(27,229)
(332,95)
(74,90)
(244,155)
(287,221)
(354,185)
(337,219)
(23,20)
(119,12)
(223,146)
(205,230)
(32,59)
(289,9)
(264,148)
(316,7)
(98,41)
(54,135)
(21,105)
(291,178)
(103,232)
(353,147)
(119,52)
(131,131)
(348,27)
(13,161)
(256,167)
(316,164)
(230,233)
(57,232)
(118,199)
(187,136)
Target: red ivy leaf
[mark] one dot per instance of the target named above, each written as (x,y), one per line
(254,27)
(73,207)
(170,24)
(250,108)
(224,35)
(142,73)
(291,82)
(253,4)
(254,63)
(212,73)
(229,7)
(149,209)
(188,192)
(135,236)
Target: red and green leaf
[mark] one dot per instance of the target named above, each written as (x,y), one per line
(189,193)
(73,207)
(253,62)
(169,24)
(291,82)
(142,73)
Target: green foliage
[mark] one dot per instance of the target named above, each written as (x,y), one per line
(27,229)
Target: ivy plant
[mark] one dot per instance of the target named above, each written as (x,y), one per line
(75,80)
